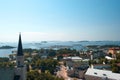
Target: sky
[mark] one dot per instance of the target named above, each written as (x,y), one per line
(59,20)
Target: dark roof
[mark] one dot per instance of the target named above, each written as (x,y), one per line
(20,52)
(7,73)
(17,77)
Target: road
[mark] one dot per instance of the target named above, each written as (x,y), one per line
(63,73)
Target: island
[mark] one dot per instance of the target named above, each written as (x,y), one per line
(6,47)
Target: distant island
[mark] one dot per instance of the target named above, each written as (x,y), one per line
(6,47)
(43,41)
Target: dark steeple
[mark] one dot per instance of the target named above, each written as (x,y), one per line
(20,52)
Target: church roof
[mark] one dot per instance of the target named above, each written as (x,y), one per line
(20,51)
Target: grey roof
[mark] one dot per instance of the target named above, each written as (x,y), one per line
(20,51)
(102,73)
(6,73)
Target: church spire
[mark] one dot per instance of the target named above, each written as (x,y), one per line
(20,52)
(20,71)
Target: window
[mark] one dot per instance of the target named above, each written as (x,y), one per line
(104,75)
(18,63)
(95,73)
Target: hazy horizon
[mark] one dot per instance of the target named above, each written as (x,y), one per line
(4,42)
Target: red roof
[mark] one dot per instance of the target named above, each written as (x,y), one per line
(115,48)
(118,64)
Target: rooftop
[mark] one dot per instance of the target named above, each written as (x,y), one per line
(73,58)
(6,73)
(102,73)
(114,48)
(109,58)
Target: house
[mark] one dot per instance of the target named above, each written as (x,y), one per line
(98,54)
(34,54)
(114,50)
(43,55)
(76,69)
(96,74)
(76,58)
(102,66)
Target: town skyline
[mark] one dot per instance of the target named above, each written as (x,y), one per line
(60,20)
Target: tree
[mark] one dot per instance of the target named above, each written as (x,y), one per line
(34,75)
(115,69)
(45,64)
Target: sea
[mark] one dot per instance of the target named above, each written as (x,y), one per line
(78,45)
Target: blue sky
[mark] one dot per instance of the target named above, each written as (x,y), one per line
(63,20)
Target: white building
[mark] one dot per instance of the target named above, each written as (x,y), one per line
(76,58)
(96,74)
(109,58)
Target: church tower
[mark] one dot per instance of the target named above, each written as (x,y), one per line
(20,55)
(20,71)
